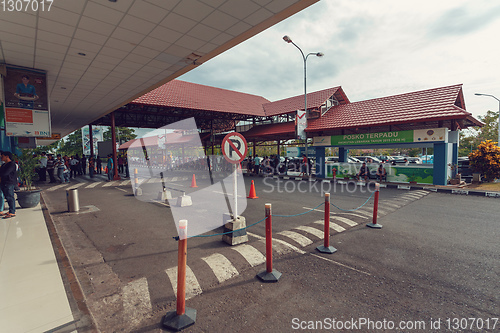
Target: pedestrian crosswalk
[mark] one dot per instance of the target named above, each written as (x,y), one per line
(136,294)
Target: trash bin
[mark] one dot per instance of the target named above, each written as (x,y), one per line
(72,199)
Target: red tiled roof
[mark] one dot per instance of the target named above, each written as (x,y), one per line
(427,105)
(314,100)
(189,95)
(278,129)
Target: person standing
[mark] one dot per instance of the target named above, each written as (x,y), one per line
(256,164)
(50,168)
(99,165)
(120,164)
(59,165)
(83,163)
(110,167)
(8,180)
(91,166)
(43,167)
(74,166)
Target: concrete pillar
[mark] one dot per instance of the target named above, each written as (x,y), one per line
(343,154)
(320,162)
(440,163)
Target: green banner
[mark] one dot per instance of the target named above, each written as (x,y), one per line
(372,138)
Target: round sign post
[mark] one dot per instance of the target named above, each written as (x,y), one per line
(234,149)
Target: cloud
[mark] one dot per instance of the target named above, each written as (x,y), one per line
(463,20)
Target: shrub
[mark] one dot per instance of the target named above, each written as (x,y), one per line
(486,160)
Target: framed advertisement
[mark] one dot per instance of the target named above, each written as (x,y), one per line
(27,111)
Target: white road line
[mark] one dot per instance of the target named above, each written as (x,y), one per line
(193,288)
(301,239)
(353,214)
(221,266)
(364,212)
(253,256)
(390,204)
(346,221)
(93,185)
(75,186)
(338,263)
(126,182)
(333,226)
(136,301)
(228,194)
(120,189)
(281,247)
(313,231)
(57,187)
(113,183)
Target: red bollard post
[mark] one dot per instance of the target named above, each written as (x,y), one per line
(374,223)
(270,274)
(183,317)
(326,248)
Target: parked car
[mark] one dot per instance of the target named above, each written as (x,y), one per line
(350,159)
(414,160)
(368,159)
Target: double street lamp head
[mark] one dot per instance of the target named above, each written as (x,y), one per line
(287,39)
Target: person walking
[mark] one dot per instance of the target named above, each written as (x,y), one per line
(83,163)
(59,166)
(8,180)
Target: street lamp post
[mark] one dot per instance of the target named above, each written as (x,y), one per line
(304,57)
(498,143)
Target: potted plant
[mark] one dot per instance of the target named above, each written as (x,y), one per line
(412,179)
(28,196)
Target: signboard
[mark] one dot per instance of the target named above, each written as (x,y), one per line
(298,151)
(300,125)
(26,103)
(410,136)
(234,147)
(97,135)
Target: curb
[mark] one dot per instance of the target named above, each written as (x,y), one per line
(459,191)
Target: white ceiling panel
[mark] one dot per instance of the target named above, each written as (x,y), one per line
(185,8)
(27,19)
(145,52)
(103,13)
(89,36)
(17,29)
(19,40)
(147,11)
(178,23)
(56,27)
(277,6)
(165,34)
(203,32)
(258,16)
(60,15)
(128,36)
(239,28)
(219,20)
(75,6)
(119,44)
(239,9)
(53,37)
(99,27)
(165,4)
(155,43)
(136,24)
(121,5)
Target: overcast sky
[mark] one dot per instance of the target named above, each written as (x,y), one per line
(372,49)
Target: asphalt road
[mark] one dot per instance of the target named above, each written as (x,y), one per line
(436,257)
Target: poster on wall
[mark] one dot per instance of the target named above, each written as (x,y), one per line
(26,103)
(97,135)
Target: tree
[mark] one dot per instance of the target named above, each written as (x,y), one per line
(490,129)
(486,160)
(72,145)
(122,133)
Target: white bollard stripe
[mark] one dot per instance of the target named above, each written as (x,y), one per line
(136,301)
(300,239)
(193,288)
(313,231)
(221,266)
(253,256)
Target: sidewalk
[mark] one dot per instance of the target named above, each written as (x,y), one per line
(32,293)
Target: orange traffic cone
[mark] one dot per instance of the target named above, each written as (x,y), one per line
(193,182)
(252,194)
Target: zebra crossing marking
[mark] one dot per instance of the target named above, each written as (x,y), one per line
(221,266)
(253,256)
(333,225)
(113,183)
(93,185)
(346,221)
(313,231)
(300,239)
(193,288)
(75,186)
(136,300)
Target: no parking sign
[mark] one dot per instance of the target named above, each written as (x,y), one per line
(234,147)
